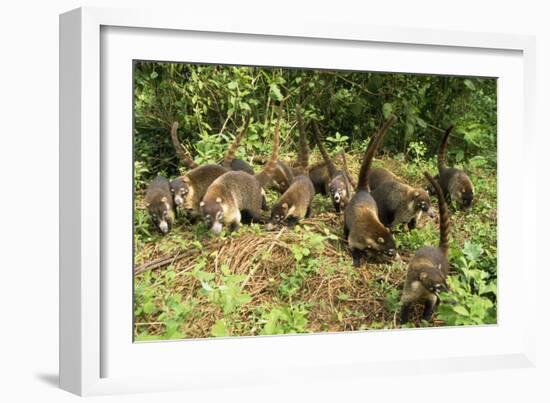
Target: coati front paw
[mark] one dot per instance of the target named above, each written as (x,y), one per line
(291,222)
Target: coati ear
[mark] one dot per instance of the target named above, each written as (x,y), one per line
(416,194)
(164,199)
(201,204)
(463,190)
(185,179)
(380,240)
(218,199)
(284,206)
(423,275)
(172,190)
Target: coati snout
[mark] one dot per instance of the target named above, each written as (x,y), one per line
(160,215)
(466,198)
(180,190)
(383,245)
(339,193)
(432,279)
(421,200)
(213,213)
(159,204)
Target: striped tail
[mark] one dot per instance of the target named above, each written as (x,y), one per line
(266,175)
(346,170)
(363,180)
(303,153)
(232,150)
(185,158)
(442,149)
(444,228)
(317,137)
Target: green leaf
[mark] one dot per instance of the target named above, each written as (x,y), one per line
(232,85)
(468,83)
(219,329)
(275,92)
(460,310)
(148,307)
(154,75)
(387,109)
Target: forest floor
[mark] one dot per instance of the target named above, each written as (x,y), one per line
(191,284)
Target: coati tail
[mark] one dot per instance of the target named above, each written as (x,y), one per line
(442,148)
(317,137)
(303,153)
(232,150)
(443,215)
(266,175)
(185,158)
(363,180)
(346,170)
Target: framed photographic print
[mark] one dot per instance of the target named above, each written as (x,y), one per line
(237,198)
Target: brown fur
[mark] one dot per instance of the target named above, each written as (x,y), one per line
(159,204)
(399,203)
(232,149)
(362,228)
(456,185)
(185,158)
(189,189)
(237,196)
(282,177)
(339,187)
(429,267)
(295,203)
(318,173)
(377,176)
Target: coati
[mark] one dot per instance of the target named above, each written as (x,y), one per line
(339,187)
(319,176)
(362,228)
(230,163)
(159,204)
(282,177)
(399,203)
(454,182)
(189,189)
(429,267)
(377,176)
(238,196)
(295,203)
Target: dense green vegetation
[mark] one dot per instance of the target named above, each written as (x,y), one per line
(256,282)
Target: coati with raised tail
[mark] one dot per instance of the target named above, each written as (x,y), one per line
(362,228)
(399,203)
(339,187)
(456,185)
(295,203)
(230,163)
(429,267)
(158,200)
(189,189)
(237,195)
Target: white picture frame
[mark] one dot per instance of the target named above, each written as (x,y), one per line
(97,355)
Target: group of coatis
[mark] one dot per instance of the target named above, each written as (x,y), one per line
(230,193)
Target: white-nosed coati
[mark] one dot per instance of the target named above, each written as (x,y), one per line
(237,195)
(454,182)
(159,204)
(429,267)
(362,228)
(339,187)
(189,189)
(397,202)
(295,203)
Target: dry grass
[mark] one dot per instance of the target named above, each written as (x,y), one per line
(337,296)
